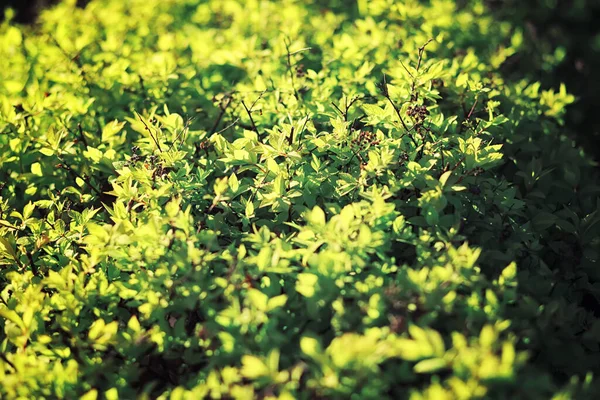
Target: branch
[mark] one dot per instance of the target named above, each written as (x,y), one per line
(289,66)
(76,174)
(149,131)
(472,108)
(421,50)
(81,135)
(386,94)
(223,110)
(2,223)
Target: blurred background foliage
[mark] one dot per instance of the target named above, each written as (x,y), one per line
(563,38)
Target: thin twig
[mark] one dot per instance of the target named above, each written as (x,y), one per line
(81,135)
(406,69)
(337,108)
(291,137)
(289,66)
(8,226)
(6,360)
(347,106)
(354,100)
(149,131)
(303,127)
(386,94)
(223,110)
(183,131)
(227,127)
(250,116)
(421,50)
(472,108)
(76,174)
(299,51)
(249,110)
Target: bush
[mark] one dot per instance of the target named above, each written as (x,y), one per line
(268,199)
(561,44)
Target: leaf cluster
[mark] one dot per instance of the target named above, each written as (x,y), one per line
(270,199)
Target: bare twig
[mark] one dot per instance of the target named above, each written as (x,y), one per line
(299,51)
(386,94)
(303,127)
(337,108)
(149,131)
(185,129)
(228,126)
(347,107)
(472,108)
(287,43)
(406,69)
(223,110)
(250,116)
(76,174)
(8,226)
(421,50)
(6,360)
(81,135)
(249,110)
(291,137)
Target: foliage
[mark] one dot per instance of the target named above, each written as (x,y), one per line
(561,44)
(271,199)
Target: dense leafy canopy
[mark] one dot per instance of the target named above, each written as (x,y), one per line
(279,199)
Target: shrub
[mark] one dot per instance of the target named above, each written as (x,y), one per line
(246,199)
(561,44)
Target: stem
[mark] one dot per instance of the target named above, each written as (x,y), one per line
(249,112)
(386,94)
(76,174)
(149,131)
(472,108)
(223,110)
(2,223)
(81,135)
(289,66)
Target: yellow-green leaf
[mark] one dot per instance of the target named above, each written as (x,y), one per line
(36,169)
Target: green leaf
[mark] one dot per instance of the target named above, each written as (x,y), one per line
(249,209)
(96,329)
(36,169)
(8,247)
(306,284)
(90,395)
(258,299)
(510,272)
(430,366)
(276,302)
(543,220)
(316,216)
(253,367)
(273,166)
(487,337)
(134,324)
(47,151)
(172,208)
(233,182)
(444,178)
(310,346)
(12,316)
(315,163)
